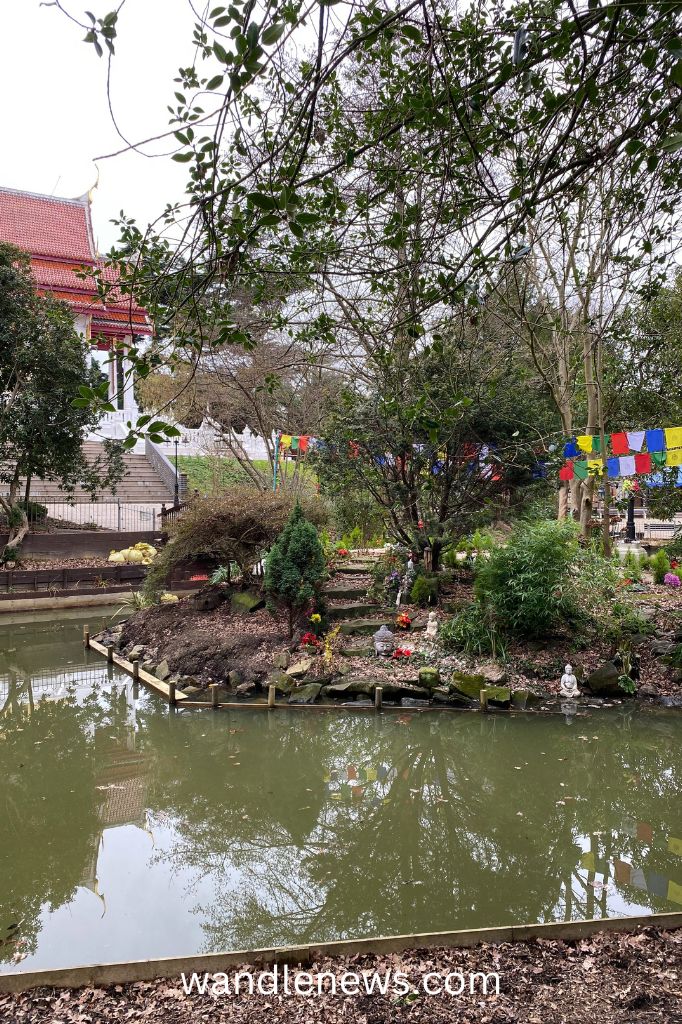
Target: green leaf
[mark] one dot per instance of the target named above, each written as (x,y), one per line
(272,33)
(672,143)
(413,33)
(676,73)
(85,391)
(221,53)
(182,158)
(156,426)
(261,201)
(156,438)
(80,403)
(214,83)
(220,22)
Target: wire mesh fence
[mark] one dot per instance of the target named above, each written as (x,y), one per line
(51,516)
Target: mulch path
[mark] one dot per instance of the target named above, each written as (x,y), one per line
(64,563)
(610,978)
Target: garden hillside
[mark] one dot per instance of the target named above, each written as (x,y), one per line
(497,623)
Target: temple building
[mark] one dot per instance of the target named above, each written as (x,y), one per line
(58,235)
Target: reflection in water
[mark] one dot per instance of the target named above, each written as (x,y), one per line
(128,832)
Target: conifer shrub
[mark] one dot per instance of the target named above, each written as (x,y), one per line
(295,569)
(425,590)
(659,565)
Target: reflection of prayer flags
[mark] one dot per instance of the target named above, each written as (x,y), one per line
(658,459)
(587,861)
(673,437)
(357,792)
(657,884)
(285,441)
(371,774)
(613,467)
(629,828)
(674,457)
(623,870)
(627,465)
(351,773)
(635,440)
(571,449)
(643,463)
(645,832)
(674,892)
(382,773)
(580,470)
(637,878)
(620,444)
(595,467)
(675,845)
(566,472)
(655,441)
(584,442)
(596,442)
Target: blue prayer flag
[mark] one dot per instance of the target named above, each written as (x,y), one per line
(655,441)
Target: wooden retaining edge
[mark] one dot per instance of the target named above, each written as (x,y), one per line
(145,677)
(98,975)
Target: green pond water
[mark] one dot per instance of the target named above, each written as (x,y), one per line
(128,832)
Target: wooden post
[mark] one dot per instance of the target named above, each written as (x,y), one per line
(483,696)
(378,697)
(214,687)
(136,671)
(171,694)
(428,560)
(110,653)
(271,695)
(86,637)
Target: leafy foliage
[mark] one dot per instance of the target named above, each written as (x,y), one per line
(659,564)
(472,631)
(527,585)
(425,590)
(296,567)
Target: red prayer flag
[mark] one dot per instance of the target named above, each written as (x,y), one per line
(566,472)
(303,443)
(620,444)
(643,463)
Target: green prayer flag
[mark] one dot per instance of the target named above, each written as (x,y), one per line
(294,444)
(596,442)
(658,458)
(580,469)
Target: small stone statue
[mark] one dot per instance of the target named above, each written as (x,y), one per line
(432,626)
(384,642)
(569,683)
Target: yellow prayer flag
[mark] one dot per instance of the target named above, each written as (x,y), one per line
(584,442)
(587,861)
(674,892)
(674,457)
(673,437)
(675,845)
(285,441)
(371,774)
(595,467)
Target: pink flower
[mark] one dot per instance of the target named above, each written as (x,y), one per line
(420,524)
(671,580)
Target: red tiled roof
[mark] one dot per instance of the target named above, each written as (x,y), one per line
(46,226)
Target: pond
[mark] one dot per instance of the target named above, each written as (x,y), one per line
(128,832)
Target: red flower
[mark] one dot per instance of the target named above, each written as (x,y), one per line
(309,640)
(343,552)
(420,524)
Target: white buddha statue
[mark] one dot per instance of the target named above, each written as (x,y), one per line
(569,683)
(432,626)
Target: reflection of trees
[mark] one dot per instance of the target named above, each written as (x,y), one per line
(49,803)
(439,844)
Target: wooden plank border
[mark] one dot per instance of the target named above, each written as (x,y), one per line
(98,975)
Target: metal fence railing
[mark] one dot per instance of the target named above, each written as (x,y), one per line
(117,515)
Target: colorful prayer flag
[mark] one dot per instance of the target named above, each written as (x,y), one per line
(674,892)
(285,441)
(627,465)
(675,845)
(566,471)
(571,449)
(635,440)
(643,463)
(620,444)
(303,443)
(613,467)
(580,470)
(655,441)
(294,444)
(674,457)
(595,467)
(584,442)
(658,459)
(596,442)
(673,437)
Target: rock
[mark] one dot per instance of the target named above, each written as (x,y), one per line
(351,688)
(208,600)
(441,695)
(391,691)
(498,696)
(646,612)
(282,660)
(493,674)
(519,699)
(468,685)
(662,648)
(429,677)
(306,694)
(243,689)
(234,678)
(413,702)
(604,681)
(283,683)
(647,691)
(135,652)
(243,602)
(162,671)
(671,702)
(148,666)
(185,682)
(192,691)
(299,669)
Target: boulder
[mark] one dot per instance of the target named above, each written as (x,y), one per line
(299,669)
(281,660)
(493,674)
(234,677)
(414,702)
(306,694)
(283,683)
(604,681)
(429,677)
(162,671)
(244,689)
(148,666)
(391,691)
(519,699)
(135,652)
(350,688)
(467,685)
(662,648)
(243,602)
(208,600)
(498,696)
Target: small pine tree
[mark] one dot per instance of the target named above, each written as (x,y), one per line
(660,565)
(295,567)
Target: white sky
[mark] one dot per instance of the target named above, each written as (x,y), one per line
(55,117)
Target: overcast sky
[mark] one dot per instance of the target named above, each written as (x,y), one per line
(55,114)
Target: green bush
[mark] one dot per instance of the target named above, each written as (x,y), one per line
(644,561)
(674,547)
(425,590)
(472,633)
(626,619)
(295,568)
(632,567)
(659,565)
(527,585)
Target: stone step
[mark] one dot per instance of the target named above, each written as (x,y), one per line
(352,570)
(352,611)
(348,590)
(363,627)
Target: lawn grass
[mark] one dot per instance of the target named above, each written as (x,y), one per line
(211,473)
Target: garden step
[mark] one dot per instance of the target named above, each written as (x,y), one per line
(352,570)
(351,611)
(349,589)
(363,627)
(365,650)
